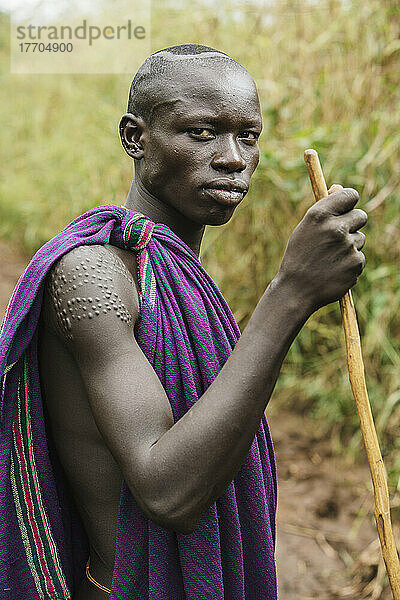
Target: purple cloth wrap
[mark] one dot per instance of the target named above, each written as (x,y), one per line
(187,332)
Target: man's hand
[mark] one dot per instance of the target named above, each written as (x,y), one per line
(323,258)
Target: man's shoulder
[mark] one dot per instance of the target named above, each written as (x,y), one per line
(88,282)
(92,259)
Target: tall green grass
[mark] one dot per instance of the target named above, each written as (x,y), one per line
(328,77)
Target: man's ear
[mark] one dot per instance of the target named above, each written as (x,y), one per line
(131,130)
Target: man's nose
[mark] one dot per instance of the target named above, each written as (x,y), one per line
(228,157)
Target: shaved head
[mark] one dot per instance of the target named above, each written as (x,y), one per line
(192,126)
(151,83)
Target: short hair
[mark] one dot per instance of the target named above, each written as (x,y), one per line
(150,81)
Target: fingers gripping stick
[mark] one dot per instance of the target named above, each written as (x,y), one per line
(359,388)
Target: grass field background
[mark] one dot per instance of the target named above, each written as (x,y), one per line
(328,76)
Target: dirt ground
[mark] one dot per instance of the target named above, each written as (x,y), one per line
(327,541)
(327,544)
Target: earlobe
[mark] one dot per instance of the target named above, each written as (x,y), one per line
(131,133)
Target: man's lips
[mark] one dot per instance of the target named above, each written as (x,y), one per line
(226,191)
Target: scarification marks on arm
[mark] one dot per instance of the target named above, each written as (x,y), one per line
(65,285)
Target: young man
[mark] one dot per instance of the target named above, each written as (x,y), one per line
(154,405)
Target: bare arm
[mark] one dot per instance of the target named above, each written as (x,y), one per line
(176,471)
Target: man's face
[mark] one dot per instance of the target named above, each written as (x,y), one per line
(201,147)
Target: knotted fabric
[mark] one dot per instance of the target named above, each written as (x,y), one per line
(187,332)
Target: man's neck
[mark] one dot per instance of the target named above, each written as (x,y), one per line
(142,201)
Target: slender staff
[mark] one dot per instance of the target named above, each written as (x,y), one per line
(359,388)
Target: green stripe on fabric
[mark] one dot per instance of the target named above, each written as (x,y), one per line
(49,562)
(25,534)
(8,368)
(22,512)
(51,552)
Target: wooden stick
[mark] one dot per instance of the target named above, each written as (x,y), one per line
(359,388)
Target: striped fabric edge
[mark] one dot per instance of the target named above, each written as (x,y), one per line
(8,368)
(40,547)
(142,234)
(147,278)
(2,329)
(7,311)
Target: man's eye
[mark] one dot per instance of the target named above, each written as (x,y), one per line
(201,132)
(250,135)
